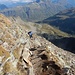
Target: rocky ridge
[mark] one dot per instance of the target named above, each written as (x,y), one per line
(20,55)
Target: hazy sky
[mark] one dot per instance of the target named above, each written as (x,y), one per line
(1,1)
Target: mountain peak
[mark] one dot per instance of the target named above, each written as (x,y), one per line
(2,7)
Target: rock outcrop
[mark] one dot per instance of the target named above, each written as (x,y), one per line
(22,55)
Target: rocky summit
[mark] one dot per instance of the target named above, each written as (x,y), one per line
(22,55)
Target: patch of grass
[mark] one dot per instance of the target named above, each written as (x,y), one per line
(16,52)
(7,67)
(3,52)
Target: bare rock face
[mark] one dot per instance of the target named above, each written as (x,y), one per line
(22,55)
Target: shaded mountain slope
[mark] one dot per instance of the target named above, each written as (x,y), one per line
(64,20)
(38,10)
(20,55)
(65,43)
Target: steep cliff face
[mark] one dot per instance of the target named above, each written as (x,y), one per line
(22,55)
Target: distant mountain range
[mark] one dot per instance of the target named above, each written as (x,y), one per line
(2,7)
(39,9)
(64,20)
